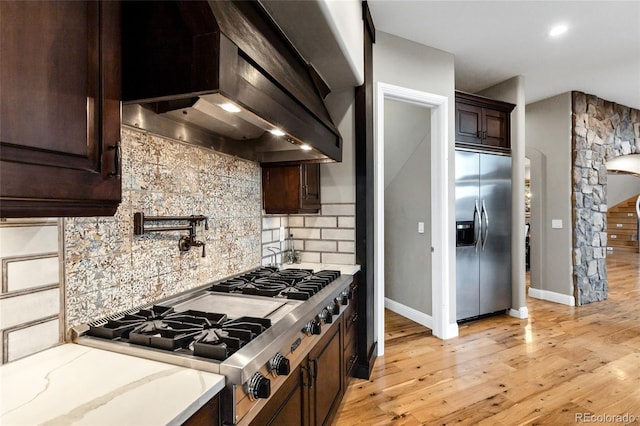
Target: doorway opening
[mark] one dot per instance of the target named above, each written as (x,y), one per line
(439,250)
(407,205)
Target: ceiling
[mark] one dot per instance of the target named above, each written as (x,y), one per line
(495,40)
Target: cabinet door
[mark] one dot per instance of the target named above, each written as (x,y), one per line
(325,361)
(310,197)
(208,415)
(468,123)
(60,108)
(495,129)
(288,189)
(288,406)
(281,189)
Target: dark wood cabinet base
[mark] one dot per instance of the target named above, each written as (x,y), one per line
(207,415)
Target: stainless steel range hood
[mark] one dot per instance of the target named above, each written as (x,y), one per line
(222,74)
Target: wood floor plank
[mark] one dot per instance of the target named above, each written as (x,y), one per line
(560,361)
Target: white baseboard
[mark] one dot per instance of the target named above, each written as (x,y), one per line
(407,312)
(552,296)
(521,313)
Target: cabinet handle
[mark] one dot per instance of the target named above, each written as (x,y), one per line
(354,317)
(314,370)
(116,159)
(304,371)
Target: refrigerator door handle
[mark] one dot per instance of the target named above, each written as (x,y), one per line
(486,224)
(476,229)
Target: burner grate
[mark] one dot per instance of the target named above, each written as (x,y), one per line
(297,284)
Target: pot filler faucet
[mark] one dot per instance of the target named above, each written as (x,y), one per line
(186,241)
(274,255)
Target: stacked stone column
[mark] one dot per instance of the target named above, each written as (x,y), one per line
(602,130)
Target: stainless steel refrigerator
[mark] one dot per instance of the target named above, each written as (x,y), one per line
(483,233)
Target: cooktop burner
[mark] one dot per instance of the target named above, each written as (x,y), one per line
(205,334)
(297,284)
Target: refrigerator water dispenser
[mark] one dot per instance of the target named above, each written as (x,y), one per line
(465,232)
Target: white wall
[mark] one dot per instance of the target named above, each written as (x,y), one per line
(621,187)
(328,33)
(403,63)
(548,132)
(345,17)
(512,91)
(338,180)
(407,202)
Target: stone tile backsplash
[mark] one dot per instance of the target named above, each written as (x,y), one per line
(109,270)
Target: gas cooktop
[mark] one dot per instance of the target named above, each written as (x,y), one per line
(205,334)
(218,321)
(296,284)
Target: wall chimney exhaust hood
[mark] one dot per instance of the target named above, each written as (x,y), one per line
(222,74)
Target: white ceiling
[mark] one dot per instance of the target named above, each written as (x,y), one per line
(495,40)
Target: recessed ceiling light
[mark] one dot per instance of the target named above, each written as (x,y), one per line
(229,107)
(276,132)
(558,30)
(305,147)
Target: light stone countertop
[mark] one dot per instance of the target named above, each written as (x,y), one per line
(344,269)
(73,384)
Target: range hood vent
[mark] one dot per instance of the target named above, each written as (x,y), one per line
(222,74)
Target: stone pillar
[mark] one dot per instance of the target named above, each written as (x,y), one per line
(602,130)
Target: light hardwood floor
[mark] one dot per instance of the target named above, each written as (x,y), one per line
(560,362)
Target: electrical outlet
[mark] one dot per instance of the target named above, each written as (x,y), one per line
(281,233)
(420,227)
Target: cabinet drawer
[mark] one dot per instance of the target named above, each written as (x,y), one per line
(350,318)
(350,356)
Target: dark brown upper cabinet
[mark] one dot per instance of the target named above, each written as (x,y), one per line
(290,189)
(60,108)
(482,121)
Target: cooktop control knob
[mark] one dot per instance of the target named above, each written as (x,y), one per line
(328,315)
(316,327)
(312,327)
(323,316)
(279,365)
(336,306)
(344,299)
(258,387)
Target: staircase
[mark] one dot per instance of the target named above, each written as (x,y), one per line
(622,223)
